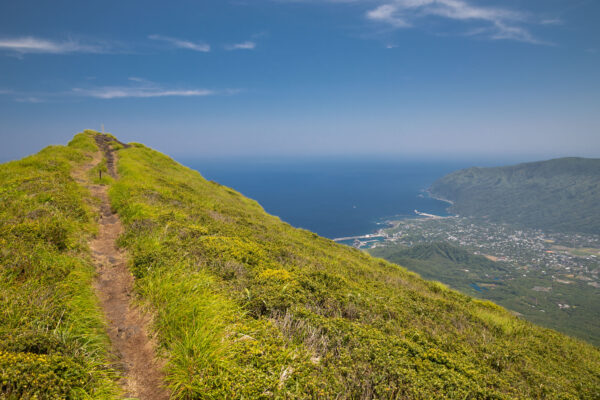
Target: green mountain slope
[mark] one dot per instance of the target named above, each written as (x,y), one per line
(246,306)
(528,295)
(561,194)
(441,261)
(52,339)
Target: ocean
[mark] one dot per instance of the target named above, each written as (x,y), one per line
(333,197)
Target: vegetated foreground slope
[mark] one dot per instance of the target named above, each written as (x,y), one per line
(561,194)
(244,305)
(52,339)
(534,296)
(248,307)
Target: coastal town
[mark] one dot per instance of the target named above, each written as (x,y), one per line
(565,257)
(560,257)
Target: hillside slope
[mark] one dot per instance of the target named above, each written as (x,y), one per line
(246,306)
(561,194)
(53,344)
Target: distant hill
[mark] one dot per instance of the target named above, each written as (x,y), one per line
(241,304)
(443,262)
(560,195)
(446,251)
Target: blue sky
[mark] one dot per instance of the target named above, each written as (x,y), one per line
(410,78)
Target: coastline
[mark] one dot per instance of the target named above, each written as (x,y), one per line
(380,234)
(437,197)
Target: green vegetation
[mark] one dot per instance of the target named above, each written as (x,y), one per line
(248,307)
(442,261)
(560,195)
(99,174)
(52,340)
(244,305)
(535,295)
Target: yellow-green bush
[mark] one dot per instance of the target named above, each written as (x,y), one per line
(40,376)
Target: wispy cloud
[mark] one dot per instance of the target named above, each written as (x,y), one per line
(29,99)
(141,88)
(137,88)
(30,44)
(389,14)
(120,92)
(552,21)
(498,23)
(249,45)
(182,44)
(21,97)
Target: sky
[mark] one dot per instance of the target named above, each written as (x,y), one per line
(263,78)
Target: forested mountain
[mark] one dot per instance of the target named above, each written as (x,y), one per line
(561,194)
(439,259)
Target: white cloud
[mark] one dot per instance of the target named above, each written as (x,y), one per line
(182,44)
(30,44)
(242,46)
(500,23)
(138,79)
(388,13)
(138,88)
(120,92)
(142,88)
(29,99)
(552,21)
(514,33)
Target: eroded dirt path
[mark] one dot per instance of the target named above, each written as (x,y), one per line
(127,326)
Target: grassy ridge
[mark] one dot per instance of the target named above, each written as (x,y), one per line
(560,194)
(248,307)
(52,340)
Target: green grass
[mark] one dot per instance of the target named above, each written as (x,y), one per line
(99,174)
(52,338)
(245,306)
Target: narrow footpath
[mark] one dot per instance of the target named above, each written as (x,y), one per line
(127,326)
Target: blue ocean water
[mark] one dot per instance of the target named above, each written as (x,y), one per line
(333,197)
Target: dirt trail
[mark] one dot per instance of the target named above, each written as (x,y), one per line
(127,326)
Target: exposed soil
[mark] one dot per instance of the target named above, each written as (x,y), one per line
(127,326)
(104,141)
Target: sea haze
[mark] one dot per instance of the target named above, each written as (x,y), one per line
(334,197)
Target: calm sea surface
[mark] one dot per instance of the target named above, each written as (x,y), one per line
(334,198)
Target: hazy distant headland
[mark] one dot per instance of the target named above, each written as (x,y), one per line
(559,195)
